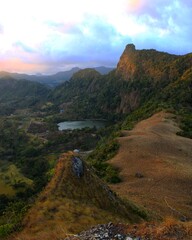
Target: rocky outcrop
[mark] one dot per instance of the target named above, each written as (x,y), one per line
(77,166)
(108,231)
(141,64)
(171,230)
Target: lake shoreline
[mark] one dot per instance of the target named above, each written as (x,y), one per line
(80,124)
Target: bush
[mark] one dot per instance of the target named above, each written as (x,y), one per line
(6,229)
(105,151)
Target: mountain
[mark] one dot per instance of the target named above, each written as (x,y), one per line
(52,80)
(103,70)
(16,94)
(151,64)
(140,75)
(74,199)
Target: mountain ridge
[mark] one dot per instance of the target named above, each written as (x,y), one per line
(54,79)
(74,199)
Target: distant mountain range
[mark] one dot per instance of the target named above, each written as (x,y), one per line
(52,80)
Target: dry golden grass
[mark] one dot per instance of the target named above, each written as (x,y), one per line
(169,229)
(165,159)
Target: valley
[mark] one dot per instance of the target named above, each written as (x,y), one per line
(136,170)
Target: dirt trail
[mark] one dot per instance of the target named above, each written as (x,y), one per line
(153,149)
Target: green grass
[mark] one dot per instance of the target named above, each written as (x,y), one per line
(11,218)
(185,125)
(6,189)
(105,150)
(12,180)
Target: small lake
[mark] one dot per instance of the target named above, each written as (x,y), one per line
(71,125)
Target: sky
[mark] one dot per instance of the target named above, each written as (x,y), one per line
(48,36)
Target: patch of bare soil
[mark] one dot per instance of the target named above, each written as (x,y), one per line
(156,167)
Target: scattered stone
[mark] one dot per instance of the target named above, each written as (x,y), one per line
(76,151)
(108,231)
(139,175)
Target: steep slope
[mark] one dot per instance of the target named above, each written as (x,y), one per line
(74,200)
(179,93)
(138,64)
(155,165)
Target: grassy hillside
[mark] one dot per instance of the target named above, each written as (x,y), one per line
(71,203)
(155,166)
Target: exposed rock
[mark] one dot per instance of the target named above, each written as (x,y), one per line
(134,64)
(103,232)
(139,175)
(77,166)
(130,48)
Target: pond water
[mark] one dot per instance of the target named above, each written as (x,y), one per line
(71,125)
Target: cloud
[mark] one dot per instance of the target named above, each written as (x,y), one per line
(1,29)
(59,34)
(21,46)
(93,42)
(16,65)
(168,25)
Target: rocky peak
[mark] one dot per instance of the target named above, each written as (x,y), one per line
(130,48)
(148,64)
(126,67)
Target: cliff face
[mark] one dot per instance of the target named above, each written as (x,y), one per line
(127,63)
(137,64)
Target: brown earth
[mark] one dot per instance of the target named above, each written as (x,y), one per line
(153,150)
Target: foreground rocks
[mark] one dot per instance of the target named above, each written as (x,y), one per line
(104,232)
(167,230)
